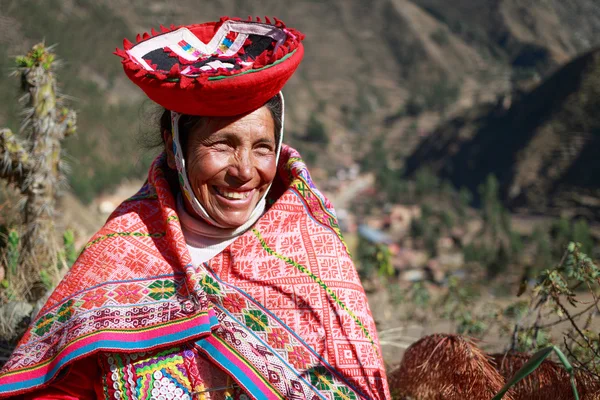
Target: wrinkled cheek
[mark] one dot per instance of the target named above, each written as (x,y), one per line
(202,193)
(270,172)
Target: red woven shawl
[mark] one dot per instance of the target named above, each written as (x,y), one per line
(288,282)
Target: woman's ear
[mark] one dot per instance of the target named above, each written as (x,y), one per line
(168,141)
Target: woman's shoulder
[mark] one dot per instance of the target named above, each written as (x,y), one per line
(126,248)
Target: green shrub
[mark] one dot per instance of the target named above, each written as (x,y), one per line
(447,219)
(561,234)
(417,228)
(426,183)
(478,253)
(373,257)
(315,131)
(543,250)
(440,36)
(583,236)
(499,262)
(414,106)
(441,95)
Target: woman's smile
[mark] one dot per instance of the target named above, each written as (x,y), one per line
(231,194)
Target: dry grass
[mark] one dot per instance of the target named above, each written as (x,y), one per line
(549,381)
(448,367)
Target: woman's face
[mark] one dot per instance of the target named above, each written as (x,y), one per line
(230,164)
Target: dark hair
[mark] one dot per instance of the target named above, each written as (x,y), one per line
(188,122)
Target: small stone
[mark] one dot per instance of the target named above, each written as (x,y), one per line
(15,311)
(39,304)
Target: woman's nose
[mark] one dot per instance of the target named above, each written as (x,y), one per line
(242,168)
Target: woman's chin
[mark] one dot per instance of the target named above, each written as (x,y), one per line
(233,220)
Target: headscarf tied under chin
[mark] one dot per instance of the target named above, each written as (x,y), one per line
(186,188)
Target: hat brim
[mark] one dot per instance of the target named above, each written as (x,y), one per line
(221,96)
(241,84)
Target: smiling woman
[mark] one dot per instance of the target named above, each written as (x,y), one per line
(226,276)
(231,162)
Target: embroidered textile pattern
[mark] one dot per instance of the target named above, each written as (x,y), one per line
(147,192)
(320,207)
(318,280)
(121,294)
(289,367)
(189,49)
(177,373)
(115,234)
(273,327)
(165,374)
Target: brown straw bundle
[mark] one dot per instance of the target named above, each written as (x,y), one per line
(549,381)
(447,367)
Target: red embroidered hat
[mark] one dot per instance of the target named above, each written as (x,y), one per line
(221,68)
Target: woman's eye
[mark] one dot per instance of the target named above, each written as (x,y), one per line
(221,145)
(264,149)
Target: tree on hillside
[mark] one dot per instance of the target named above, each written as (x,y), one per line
(315,131)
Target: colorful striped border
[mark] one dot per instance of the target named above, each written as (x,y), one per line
(113,282)
(315,354)
(242,371)
(143,339)
(250,71)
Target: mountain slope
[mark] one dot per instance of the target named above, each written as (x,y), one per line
(363,62)
(543,149)
(541,34)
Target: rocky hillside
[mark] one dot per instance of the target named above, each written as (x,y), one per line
(538,34)
(365,63)
(543,148)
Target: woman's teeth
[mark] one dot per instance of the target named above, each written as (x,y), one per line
(233,195)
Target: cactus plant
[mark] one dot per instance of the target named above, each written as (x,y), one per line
(31,161)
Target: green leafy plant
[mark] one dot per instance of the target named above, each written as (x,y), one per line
(69,247)
(374,257)
(419,296)
(557,289)
(47,279)
(12,251)
(457,305)
(384,259)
